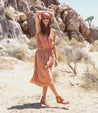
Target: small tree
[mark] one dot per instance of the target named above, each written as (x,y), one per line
(89,20)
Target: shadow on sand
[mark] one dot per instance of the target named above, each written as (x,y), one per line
(34,106)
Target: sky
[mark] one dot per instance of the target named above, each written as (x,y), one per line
(85,8)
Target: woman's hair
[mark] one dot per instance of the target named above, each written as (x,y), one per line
(45,30)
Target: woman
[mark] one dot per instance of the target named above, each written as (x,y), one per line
(44,56)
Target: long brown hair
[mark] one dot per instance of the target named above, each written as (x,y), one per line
(45,30)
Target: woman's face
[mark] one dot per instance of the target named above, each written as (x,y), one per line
(45,20)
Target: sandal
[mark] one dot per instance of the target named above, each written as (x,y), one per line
(43,101)
(61,101)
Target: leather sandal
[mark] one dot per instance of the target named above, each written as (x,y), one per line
(44,101)
(60,100)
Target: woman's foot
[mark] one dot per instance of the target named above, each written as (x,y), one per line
(60,100)
(44,101)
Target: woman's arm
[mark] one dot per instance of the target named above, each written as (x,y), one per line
(55,52)
(37,20)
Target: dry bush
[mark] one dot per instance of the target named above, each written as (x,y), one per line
(54,75)
(17,52)
(94,47)
(90,80)
(61,43)
(74,43)
(74,56)
(9,11)
(32,43)
(61,58)
(71,52)
(7,64)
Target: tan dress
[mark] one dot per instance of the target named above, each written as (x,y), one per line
(44,58)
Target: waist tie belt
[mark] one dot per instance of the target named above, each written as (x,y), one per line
(44,48)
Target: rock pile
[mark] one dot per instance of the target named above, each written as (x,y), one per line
(93,35)
(9,28)
(21,24)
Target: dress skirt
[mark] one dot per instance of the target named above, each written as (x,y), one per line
(43,64)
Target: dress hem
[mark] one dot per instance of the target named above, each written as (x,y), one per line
(41,84)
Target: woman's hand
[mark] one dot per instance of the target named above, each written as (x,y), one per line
(43,11)
(56,63)
(51,15)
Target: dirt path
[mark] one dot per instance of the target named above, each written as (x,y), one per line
(18,95)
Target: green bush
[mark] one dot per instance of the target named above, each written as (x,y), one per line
(9,11)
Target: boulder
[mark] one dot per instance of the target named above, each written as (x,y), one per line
(30,2)
(57,15)
(15,31)
(52,6)
(3,23)
(31,24)
(63,34)
(13,3)
(1,9)
(1,32)
(49,2)
(23,7)
(76,35)
(22,17)
(1,19)
(62,7)
(9,43)
(83,28)
(61,24)
(25,38)
(56,27)
(93,35)
(11,29)
(24,26)
(35,7)
(72,21)
(12,47)
(64,16)
(39,3)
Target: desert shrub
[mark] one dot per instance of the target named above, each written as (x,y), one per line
(74,56)
(61,58)
(17,52)
(57,42)
(90,80)
(9,11)
(7,64)
(74,43)
(66,39)
(60,43)
(94,47)
(54,75)
(32,43)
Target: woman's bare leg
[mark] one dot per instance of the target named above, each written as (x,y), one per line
(58,98)
(44,91)
(43,99)
(53,89)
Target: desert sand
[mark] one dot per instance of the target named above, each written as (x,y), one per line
(18,95)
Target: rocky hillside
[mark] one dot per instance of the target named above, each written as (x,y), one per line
(17,20)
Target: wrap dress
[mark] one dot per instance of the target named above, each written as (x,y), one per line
(44,59)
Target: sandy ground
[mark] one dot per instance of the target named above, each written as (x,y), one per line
(18,95)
